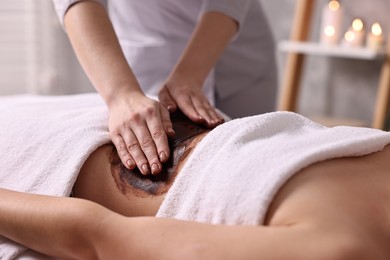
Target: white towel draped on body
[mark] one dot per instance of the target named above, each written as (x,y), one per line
(235,171)
(44,141)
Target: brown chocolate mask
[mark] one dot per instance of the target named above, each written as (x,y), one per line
(143,186)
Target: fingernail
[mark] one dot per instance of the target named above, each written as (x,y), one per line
(155,168)
(145,169)
(163,157)
(170,130)
(130,164)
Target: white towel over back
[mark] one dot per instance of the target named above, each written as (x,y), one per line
(236,170)
(44,141)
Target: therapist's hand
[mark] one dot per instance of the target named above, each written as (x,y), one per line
(183,88)
(188,96)
(138,128)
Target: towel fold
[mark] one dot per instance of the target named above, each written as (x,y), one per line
(44,143)
(236,170)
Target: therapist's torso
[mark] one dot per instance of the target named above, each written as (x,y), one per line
(154,33)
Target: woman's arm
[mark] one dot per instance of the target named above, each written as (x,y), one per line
(138,125)
(79,229)
(60,227)
(183,87)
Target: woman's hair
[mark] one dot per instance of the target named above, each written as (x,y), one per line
(146,185)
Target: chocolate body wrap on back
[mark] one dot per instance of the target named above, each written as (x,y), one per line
(153,185)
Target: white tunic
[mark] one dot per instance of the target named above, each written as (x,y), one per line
(154,33)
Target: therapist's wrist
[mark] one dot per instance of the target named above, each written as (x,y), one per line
(186,77)
(119,94)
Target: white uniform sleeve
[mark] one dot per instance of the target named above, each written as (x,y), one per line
(236,9)
(61,6)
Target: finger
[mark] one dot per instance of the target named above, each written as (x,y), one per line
(123,153)
(215,117)
(166,121)
(188,108)
(134,148)
(208,112)
(203,107)
(166,100)
(146,144)
(156,128)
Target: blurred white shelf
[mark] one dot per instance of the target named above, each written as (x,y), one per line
(334,51)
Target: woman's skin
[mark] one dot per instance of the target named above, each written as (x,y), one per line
(138,125)
(104,179)
(336,209)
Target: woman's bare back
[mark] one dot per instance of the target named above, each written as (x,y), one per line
(346,195)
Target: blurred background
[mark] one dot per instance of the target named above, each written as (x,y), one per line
(36,57)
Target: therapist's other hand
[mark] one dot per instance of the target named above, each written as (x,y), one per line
(188,96)
(138,128)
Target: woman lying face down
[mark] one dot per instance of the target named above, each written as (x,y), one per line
(331,209)
(105,180)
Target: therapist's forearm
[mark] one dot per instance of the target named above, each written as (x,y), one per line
(97,48)
(209,39)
